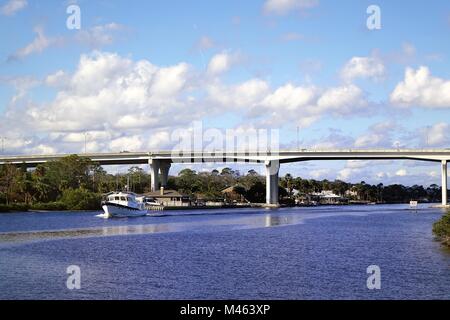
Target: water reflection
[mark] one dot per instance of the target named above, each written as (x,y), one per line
(135,229)
(9,237)
(197,223)
(277,220)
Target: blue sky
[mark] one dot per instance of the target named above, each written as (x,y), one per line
(137,71)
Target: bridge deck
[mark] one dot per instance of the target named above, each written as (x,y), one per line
(284,156)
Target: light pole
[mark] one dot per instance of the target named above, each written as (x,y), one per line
(3,143)
(85,141)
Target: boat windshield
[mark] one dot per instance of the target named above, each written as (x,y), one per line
(121,198)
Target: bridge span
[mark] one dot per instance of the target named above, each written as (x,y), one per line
(160,161)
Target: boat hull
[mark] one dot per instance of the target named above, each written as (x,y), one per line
(118,211)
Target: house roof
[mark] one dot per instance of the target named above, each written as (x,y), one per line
(228,190)
(166,194)
(232,188)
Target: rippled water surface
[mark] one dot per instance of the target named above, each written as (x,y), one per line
(291,253)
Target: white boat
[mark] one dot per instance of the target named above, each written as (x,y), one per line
(124,204)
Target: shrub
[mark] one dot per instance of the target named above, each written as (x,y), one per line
(441,229)
(81,199)
(50,206)
(13,207)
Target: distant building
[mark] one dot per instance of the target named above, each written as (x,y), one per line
(202,200)
(295,193)
(170,198)
(351,193)
(328,197)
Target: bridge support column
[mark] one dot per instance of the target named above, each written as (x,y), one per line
(272,168)
(164,168)
(154,173)
(444,182)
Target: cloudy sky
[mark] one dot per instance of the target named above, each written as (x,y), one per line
(137,71)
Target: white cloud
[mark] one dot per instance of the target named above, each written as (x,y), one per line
(404,56)
(298,105)
(335,139)
(246,94)
(94,37)
(347,174)
(378,135)
(357,170)
(381,175)
(169,81)
(438,134)
(434,174)
(408,49)
(401,173)
(319,173)
(205,43)
(13,6)
(41,149)
(221,63)
(341,100)
(158,140)
(131,143)
(99,36)
(281,7)
(290,97)
(371,139)
(22,85)
(113,98)
(57,79)
(357,164)
(419,88)
(363,67)
(39,44)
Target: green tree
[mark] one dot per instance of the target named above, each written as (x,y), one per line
(81,199)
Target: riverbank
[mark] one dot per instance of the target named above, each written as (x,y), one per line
(441,229)
(60,206)
(21,207)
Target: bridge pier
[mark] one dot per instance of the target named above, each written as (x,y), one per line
(272,169)
(444,182)
(159,172)
(154,173)
(164,168)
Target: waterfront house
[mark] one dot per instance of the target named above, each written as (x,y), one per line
(351,193)
(170,198)
(203,200)
(328,197)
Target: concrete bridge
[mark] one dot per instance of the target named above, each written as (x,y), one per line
(160,162)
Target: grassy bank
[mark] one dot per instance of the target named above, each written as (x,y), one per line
(72,199)
(13,207)
(49,206)
(441,229)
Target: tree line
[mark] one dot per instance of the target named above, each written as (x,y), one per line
(78,183)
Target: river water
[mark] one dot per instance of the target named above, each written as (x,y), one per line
(288,253)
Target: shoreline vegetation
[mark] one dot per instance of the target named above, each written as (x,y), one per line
(75,183)
(441,229)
